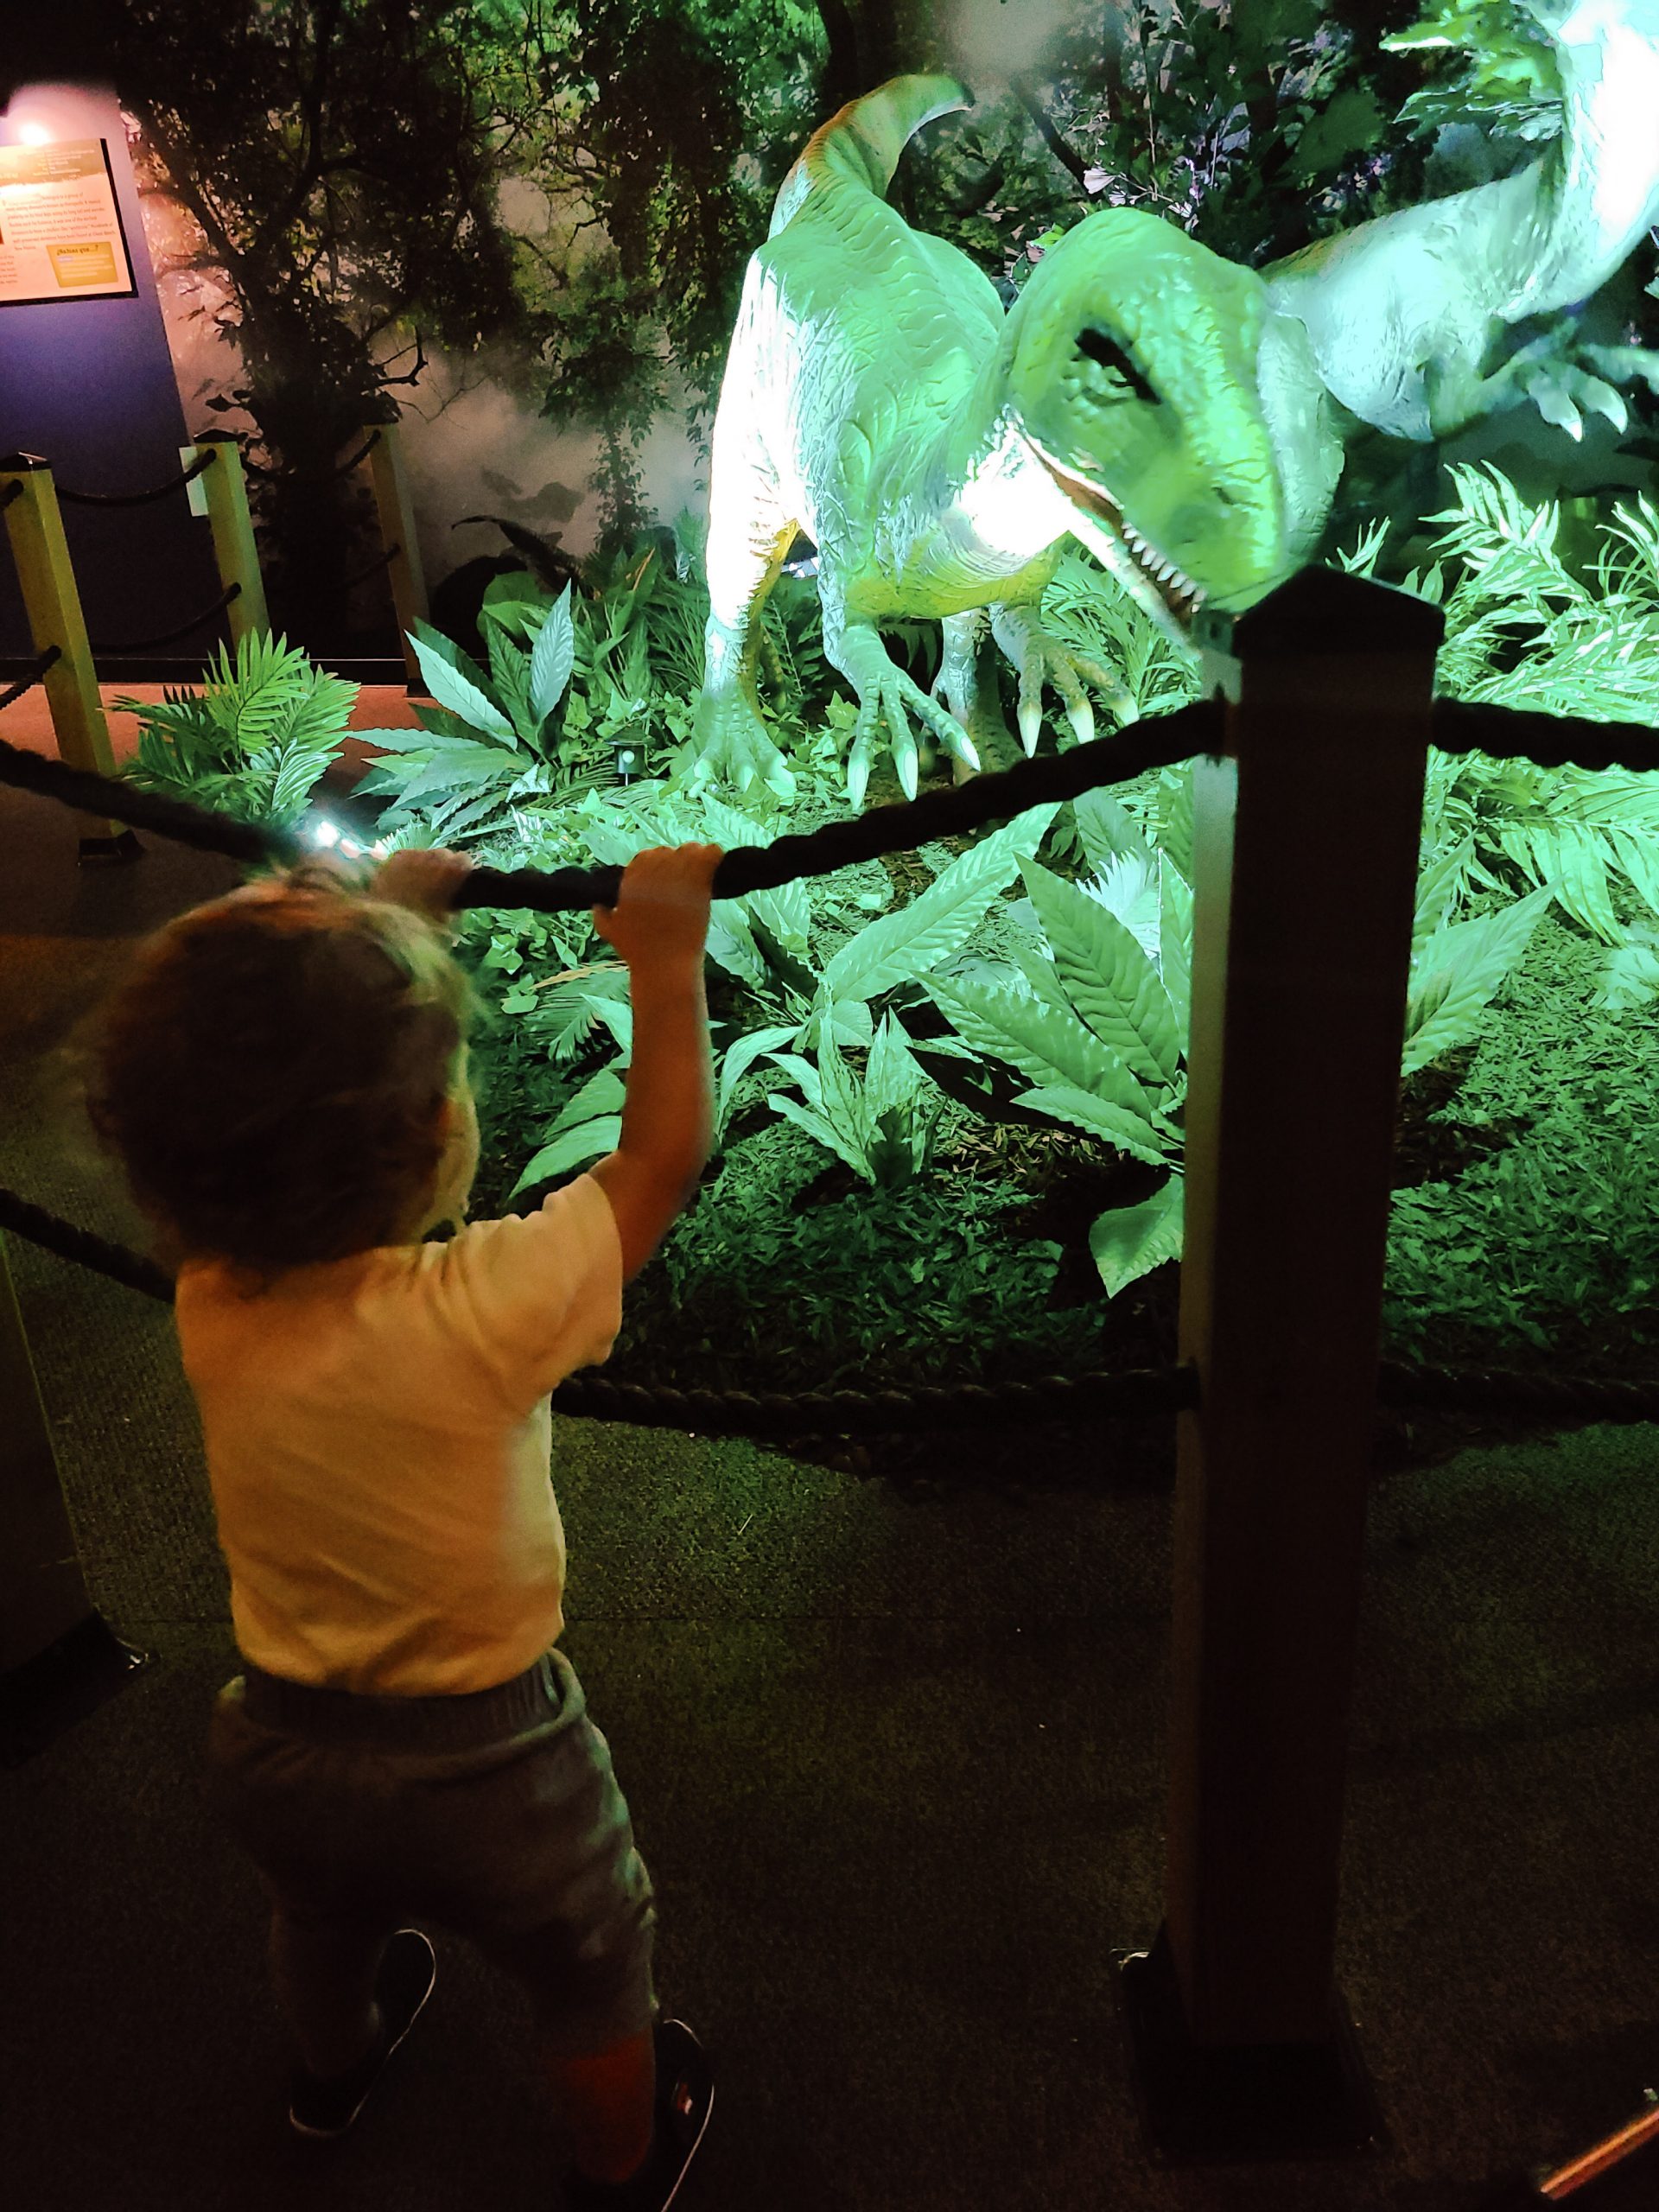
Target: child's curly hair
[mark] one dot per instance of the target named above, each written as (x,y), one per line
(272,1073)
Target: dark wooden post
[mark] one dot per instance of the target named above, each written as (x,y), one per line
(1305,845)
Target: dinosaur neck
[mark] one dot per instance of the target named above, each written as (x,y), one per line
(993,506)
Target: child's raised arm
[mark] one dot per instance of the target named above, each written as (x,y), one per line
(659,925)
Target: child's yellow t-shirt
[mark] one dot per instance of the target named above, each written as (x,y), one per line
(379,1442)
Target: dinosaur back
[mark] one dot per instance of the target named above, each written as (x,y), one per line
(859,147)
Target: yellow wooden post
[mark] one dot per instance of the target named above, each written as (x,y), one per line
(225,491)
(397,512)
(34,525)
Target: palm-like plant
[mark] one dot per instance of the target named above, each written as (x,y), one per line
(257,738)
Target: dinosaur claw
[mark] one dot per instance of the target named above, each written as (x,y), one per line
(858,774)
(1081,716)
(905,761)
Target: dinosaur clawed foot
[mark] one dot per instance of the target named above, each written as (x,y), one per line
(1040,659)
(888,697)
(729,741)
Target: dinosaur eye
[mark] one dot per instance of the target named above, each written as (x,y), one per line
(1106,353)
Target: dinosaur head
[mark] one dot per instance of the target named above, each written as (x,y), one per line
(1132,374)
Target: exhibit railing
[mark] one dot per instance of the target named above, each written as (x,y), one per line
(66,658)
(1309,753)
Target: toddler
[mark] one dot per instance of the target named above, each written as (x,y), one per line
(285,1080)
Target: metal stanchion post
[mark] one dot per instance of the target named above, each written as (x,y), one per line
(1306,844)
(226,490)
(35,524)
(397,512)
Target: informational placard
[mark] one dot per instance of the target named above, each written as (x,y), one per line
(61,235)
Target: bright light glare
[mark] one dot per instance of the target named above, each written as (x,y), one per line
(324,834)
(35,134)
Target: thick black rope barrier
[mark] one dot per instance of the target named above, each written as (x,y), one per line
(315,476)
(90,793)
(49,658)
(1497,1390)
(36,1226)
(203,461)
(1161,741)
(1134,1394)
(1548,740)
(1131,1394)
(143,645)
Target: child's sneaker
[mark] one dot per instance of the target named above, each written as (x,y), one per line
(685,2097)
(326,2106)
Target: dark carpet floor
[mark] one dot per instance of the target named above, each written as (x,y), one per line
(895,1758)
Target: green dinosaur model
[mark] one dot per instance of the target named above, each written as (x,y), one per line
(1183,417)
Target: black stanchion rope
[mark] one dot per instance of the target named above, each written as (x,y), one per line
(1548,740)
(1162,740)
(1132,1393)
(49,658)
(203,461)
(166,636)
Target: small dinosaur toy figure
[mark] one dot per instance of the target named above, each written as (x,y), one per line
(1183,417)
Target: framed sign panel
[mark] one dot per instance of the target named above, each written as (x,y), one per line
(61,234)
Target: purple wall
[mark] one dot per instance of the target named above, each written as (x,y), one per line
(89,383)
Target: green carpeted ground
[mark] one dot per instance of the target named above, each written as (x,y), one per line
(894,1757)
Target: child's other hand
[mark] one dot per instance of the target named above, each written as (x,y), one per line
(662,910)
(425,878)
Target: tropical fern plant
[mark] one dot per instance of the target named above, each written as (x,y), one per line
(865,1109)
(1085,609)
(255,740)
(1524,628)
(488,743)
(1093,1012)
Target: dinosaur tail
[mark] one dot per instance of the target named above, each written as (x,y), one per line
(861,145)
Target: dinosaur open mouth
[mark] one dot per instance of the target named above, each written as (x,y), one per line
(1178,591)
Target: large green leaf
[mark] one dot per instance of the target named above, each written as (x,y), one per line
(1046,1044)
(1110,1123)
(1108,978)
(818,1125)
(898,948)
(1108,829)
(1132,1240)
(732,945)
(459,689)
(740,1057)
(1638,855)
(891,1074)
(602,1094)
(552,656)
(587,1140)
(1458,971)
